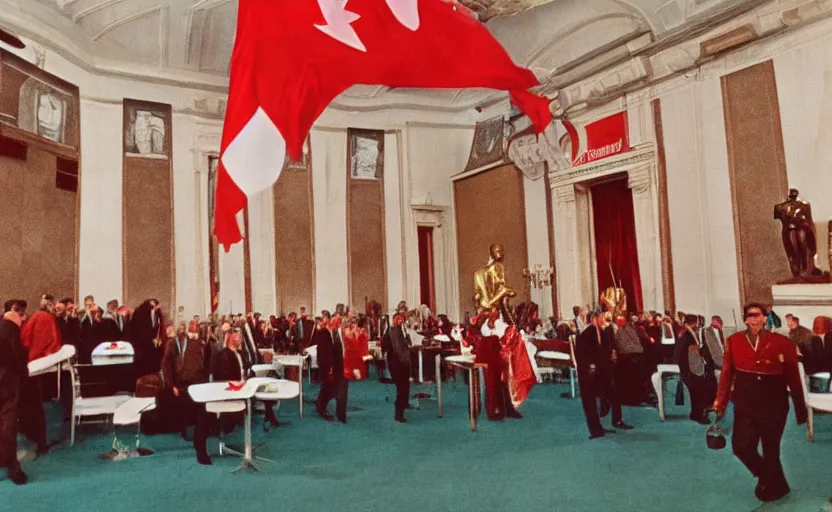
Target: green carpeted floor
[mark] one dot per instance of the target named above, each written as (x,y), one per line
(541,463)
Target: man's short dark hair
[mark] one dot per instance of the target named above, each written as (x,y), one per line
(14,305)
(67,300)
(752,305)
(796,320)
(89,297)
(716,317)
(691,320)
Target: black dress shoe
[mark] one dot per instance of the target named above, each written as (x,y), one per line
(18,477)
(597,435)
(328,417)
(342,419)
(401,419)
(205,459)
(622,426)
(514,414)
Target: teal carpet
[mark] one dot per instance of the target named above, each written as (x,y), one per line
(541,463)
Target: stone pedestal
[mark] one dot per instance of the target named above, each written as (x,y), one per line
(805,301)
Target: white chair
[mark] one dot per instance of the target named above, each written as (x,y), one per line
(128,414)
(278,391)
(57,362)
(86,407)
(659,381)
(225,407)
(821,402)
(293,360)
(312,354)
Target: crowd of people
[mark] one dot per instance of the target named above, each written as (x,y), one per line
(616,355)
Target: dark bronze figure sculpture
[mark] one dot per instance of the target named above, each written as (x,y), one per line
(800,239)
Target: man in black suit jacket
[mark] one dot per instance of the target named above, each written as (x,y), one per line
(396,344)
(14,372)
(595,357)
(697,374)
(331,366)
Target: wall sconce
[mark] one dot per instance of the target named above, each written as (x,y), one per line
(540,277)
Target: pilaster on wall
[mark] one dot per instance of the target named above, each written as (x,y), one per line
(566,247)
(642,181)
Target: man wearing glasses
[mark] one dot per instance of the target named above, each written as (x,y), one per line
(760,365)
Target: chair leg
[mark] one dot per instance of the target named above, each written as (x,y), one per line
(572,380)
(72,430)
(810,425)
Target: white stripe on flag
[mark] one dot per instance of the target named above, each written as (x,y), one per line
(255,157)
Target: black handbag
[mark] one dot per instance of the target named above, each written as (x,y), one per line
(715,434)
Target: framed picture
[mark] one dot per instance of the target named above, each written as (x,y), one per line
(42,110)
(489,143)
(366,154)
(146,133)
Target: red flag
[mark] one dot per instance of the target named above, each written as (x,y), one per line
(293,57)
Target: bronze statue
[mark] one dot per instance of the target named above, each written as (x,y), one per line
(490,290)
(799,239)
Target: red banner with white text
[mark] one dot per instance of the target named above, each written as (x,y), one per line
(601,139)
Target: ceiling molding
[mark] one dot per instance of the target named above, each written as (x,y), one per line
(83,13)
(128,19)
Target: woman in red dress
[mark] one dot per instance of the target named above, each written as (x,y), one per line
(356,348)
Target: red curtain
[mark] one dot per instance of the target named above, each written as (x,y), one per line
(615,240)
(426,281)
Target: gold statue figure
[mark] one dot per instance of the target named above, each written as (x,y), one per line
(490,290)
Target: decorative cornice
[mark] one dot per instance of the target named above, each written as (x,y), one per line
(564,194)
(640,178)
(633,160)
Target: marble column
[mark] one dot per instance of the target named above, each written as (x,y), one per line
(642,181)
(567,266)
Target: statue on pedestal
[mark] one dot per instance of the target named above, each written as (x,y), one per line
(800,240)
(490,290)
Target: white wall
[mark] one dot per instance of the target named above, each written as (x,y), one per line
(537,239)
(804,86)
(699,194)
(329,188)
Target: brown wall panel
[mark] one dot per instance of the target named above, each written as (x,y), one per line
(757,164)
(39,230)
(148,238)
(294,240)
(366,242)
(490,208)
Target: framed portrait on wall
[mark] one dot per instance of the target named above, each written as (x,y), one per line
(366,154)
(43,110)
(145,133)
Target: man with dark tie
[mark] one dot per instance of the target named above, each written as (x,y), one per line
(594,355)
(713,343)
(331,366)
(396,345)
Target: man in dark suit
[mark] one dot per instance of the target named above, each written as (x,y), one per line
(697,374)
(331,366)
(396,344)
(14,372)
(594,354)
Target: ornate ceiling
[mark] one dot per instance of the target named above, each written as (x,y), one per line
(190,41)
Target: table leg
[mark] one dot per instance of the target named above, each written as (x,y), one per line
(248,452)
(472,414)
(438,361)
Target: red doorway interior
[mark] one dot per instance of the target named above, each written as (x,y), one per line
(427,286)
(615,240)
